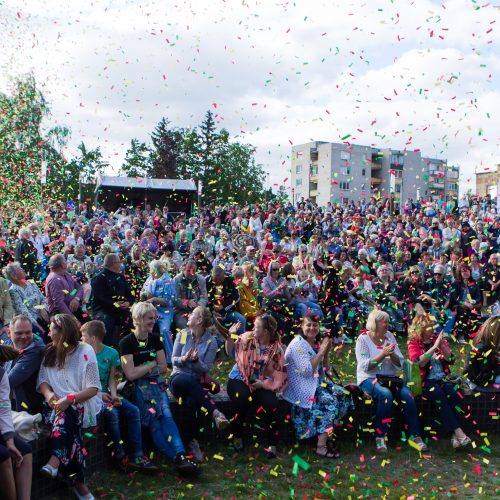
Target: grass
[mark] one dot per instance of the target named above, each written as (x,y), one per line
(402,473)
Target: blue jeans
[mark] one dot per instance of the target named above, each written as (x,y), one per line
(165,318)
(447,323)
(133,417)
(234,317)
(164,431)
(303,307)
(385,398)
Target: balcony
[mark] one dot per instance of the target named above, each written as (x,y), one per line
(436,185)
(314,154)
(313,192)
(376,166)
(376,180)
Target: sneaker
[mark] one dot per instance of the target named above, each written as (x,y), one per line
(221,422)
(142,463)
(195,451)
(49,471)
(381,446)
(185,466)
(419,444)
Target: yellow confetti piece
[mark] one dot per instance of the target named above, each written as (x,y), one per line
(218,457)
(183,337)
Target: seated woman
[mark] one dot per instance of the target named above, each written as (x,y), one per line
(69,382)
(15,481)
(257,377)
(27,298)
(430,350)
(301,296)
(317,404)
(379,365)
(193,356)
(483,366)
(144,364)
(412,293)
(248,287)
(159,290)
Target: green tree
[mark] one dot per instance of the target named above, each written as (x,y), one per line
(167,143)
(22,144)
(138,160)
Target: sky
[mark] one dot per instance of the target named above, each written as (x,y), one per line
(388,73)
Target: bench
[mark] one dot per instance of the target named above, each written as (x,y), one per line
(482,415)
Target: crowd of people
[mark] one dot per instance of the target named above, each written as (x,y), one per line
(104,317)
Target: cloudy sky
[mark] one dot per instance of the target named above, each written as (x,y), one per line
(393,73)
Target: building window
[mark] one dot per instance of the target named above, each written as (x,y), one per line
(453,187)
(398,188)
(298,182)
(345,155)
(344,186)
(345,170)
(298,169)
(314,169)
(397,159)
(363,172)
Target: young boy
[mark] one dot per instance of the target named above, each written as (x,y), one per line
(108,361)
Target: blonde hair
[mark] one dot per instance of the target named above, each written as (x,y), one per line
(489,333)
(140,309)
(375,316)
(420,323)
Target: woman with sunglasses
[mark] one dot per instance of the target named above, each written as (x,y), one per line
(317,404)
(258,375)
(69,382)
(431,351)
(412,292)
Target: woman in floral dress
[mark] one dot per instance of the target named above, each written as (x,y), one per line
(317,404)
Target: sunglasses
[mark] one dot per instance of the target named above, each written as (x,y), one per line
(415,272)
(438,274)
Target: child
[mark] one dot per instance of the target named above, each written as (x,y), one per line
(108,360)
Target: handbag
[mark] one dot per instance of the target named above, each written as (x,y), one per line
(412,377)
(209,384)
(389,381)
(460,382)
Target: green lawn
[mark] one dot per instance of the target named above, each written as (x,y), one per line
(360,473)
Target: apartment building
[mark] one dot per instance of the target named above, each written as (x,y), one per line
(487,182)
(325,171)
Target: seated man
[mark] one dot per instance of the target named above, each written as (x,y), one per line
(111,299)
(191,292)
(23,371)
(64,294)
(223,296)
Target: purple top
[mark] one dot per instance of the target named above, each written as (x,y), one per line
(60,290)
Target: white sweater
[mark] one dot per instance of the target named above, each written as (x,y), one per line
(80,372)
(366,349)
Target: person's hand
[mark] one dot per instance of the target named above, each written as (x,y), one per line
(62,405)
(107,398)
(233,330)
(15,454)
(326,345)
(257,384)
(44,315)
(192,303)
(388,349)
(218,307)
(187,356)
(468,306)
(117,402)
(51,400)
(194,356)
(439,340)
(74,305)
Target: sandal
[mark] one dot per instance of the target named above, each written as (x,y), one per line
(327,453)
